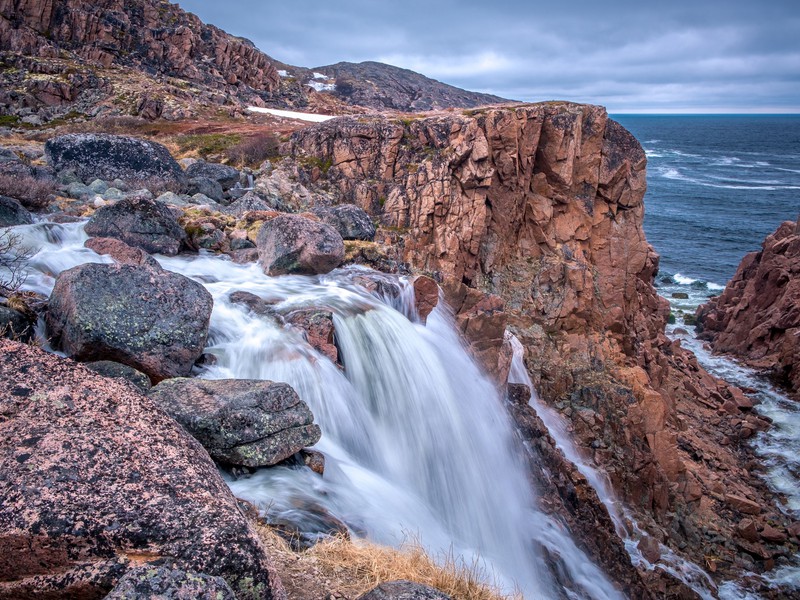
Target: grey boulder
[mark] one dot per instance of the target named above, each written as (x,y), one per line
(169,581)
(13,213)
(295,244)
(352,222)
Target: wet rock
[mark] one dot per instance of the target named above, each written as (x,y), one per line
(13,213)
(121,252)
(426,296)
(256,304)
(111,157)
(210,188)
(226,176)
(317,325)
(314,460)
(403,590)
(115,370)
(650,549)
(16,325)
(295,244)
(141,223)
(96,479)
(153,321)
(351,221)
(158,581)
(240,422)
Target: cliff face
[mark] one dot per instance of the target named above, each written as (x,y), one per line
(148,34)
(757,316)
(541,205)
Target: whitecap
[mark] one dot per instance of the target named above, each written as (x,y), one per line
(715,287)
(682,279)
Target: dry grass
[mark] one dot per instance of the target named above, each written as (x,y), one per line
(32,193)
(351,568)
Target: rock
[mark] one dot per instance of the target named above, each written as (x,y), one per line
(773,535)
(121,252)
(352,222)
(115,370)
(113,194)
(172,199)
(240,422)
(256,305)
(157,581)
(98,186)
(403,590)
(757,316)
(746,528)
(317,326)
(16,325)
(295,244)
(426,296)
(314,460)
(78,190)
(13,213)
(743,505)
(226,176)
(250,201)
(97,480)
(110,157)
(680,295)
(139,222)
(153,321)
(207,187)
(650,549)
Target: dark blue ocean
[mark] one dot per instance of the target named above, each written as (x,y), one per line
(716,186)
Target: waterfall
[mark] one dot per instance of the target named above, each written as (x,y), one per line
(417,441)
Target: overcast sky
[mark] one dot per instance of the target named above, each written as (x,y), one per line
(628,55)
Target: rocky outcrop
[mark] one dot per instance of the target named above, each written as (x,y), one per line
(225,175)
(381,86)
(240,422)
(757,316)
(143,583)
(102,156)
(352,222)
(296,244)
(537,210)
(153,321)
(141,223)
(97,480)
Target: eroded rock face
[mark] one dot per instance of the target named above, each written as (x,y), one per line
(108,157)
(295,244)
(139,222)
(153,321)
(96,479)
(757,316)
(240,422)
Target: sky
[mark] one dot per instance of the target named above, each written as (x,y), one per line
(628,55)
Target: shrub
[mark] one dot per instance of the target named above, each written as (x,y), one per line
(206,144)
(253,151)
(12,260)
(32,193)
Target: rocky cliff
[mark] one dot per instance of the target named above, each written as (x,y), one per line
(757,316)
(540,207)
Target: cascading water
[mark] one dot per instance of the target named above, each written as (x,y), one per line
(416,439)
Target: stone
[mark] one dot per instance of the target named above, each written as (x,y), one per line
(121,252)
(426,296)
(206,186)
(172,199)
(291,244)
(650,549)
(12,213)
(141,223)
(318,329)
(162,581)
(746,528)
(403,590)
(351,221)
(97,480)
(113,194)
(108,157)
(16,325)
(115,370)
(240,422)
(743,505)
(225,175)
(153,321)
(78,190)
(773,535)
(98,186)
(249,201)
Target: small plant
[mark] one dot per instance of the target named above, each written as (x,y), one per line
(32,193)
(8,120)
(253,151)
(13,257)
(206,144)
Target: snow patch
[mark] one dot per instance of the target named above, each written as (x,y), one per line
(320,76)
(290,114)
(283,72)
(322,87)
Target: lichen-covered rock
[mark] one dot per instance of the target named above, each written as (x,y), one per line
(115,370)
(95,479)
(16,325)
(241,422)
(121,252)
(13,213)
(169,581)
(206,186)
(403,590)
(139,222)
(225,175)
(103,156)
(250,201)
(153,321)
(295,244)
(351,221)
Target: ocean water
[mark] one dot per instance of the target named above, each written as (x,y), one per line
(717,185)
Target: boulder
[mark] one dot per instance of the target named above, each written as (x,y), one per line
(153,321)
(295,244)
(139,222)
(226,176)
(240,422)
(121,252)
(96,480)
(152,581)
(250,201)
(16,325)
(403,590)
(352,222)
(13,213)
(426,296)
(206,186)
(115,370)
(317,327)
(108,157)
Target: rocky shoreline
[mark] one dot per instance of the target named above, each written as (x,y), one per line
(530,220)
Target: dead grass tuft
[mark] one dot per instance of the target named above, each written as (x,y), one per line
(353,567)
(32,193)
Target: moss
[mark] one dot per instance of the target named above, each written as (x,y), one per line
(8,120)
(671,319)
(323,164)
(208,143)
